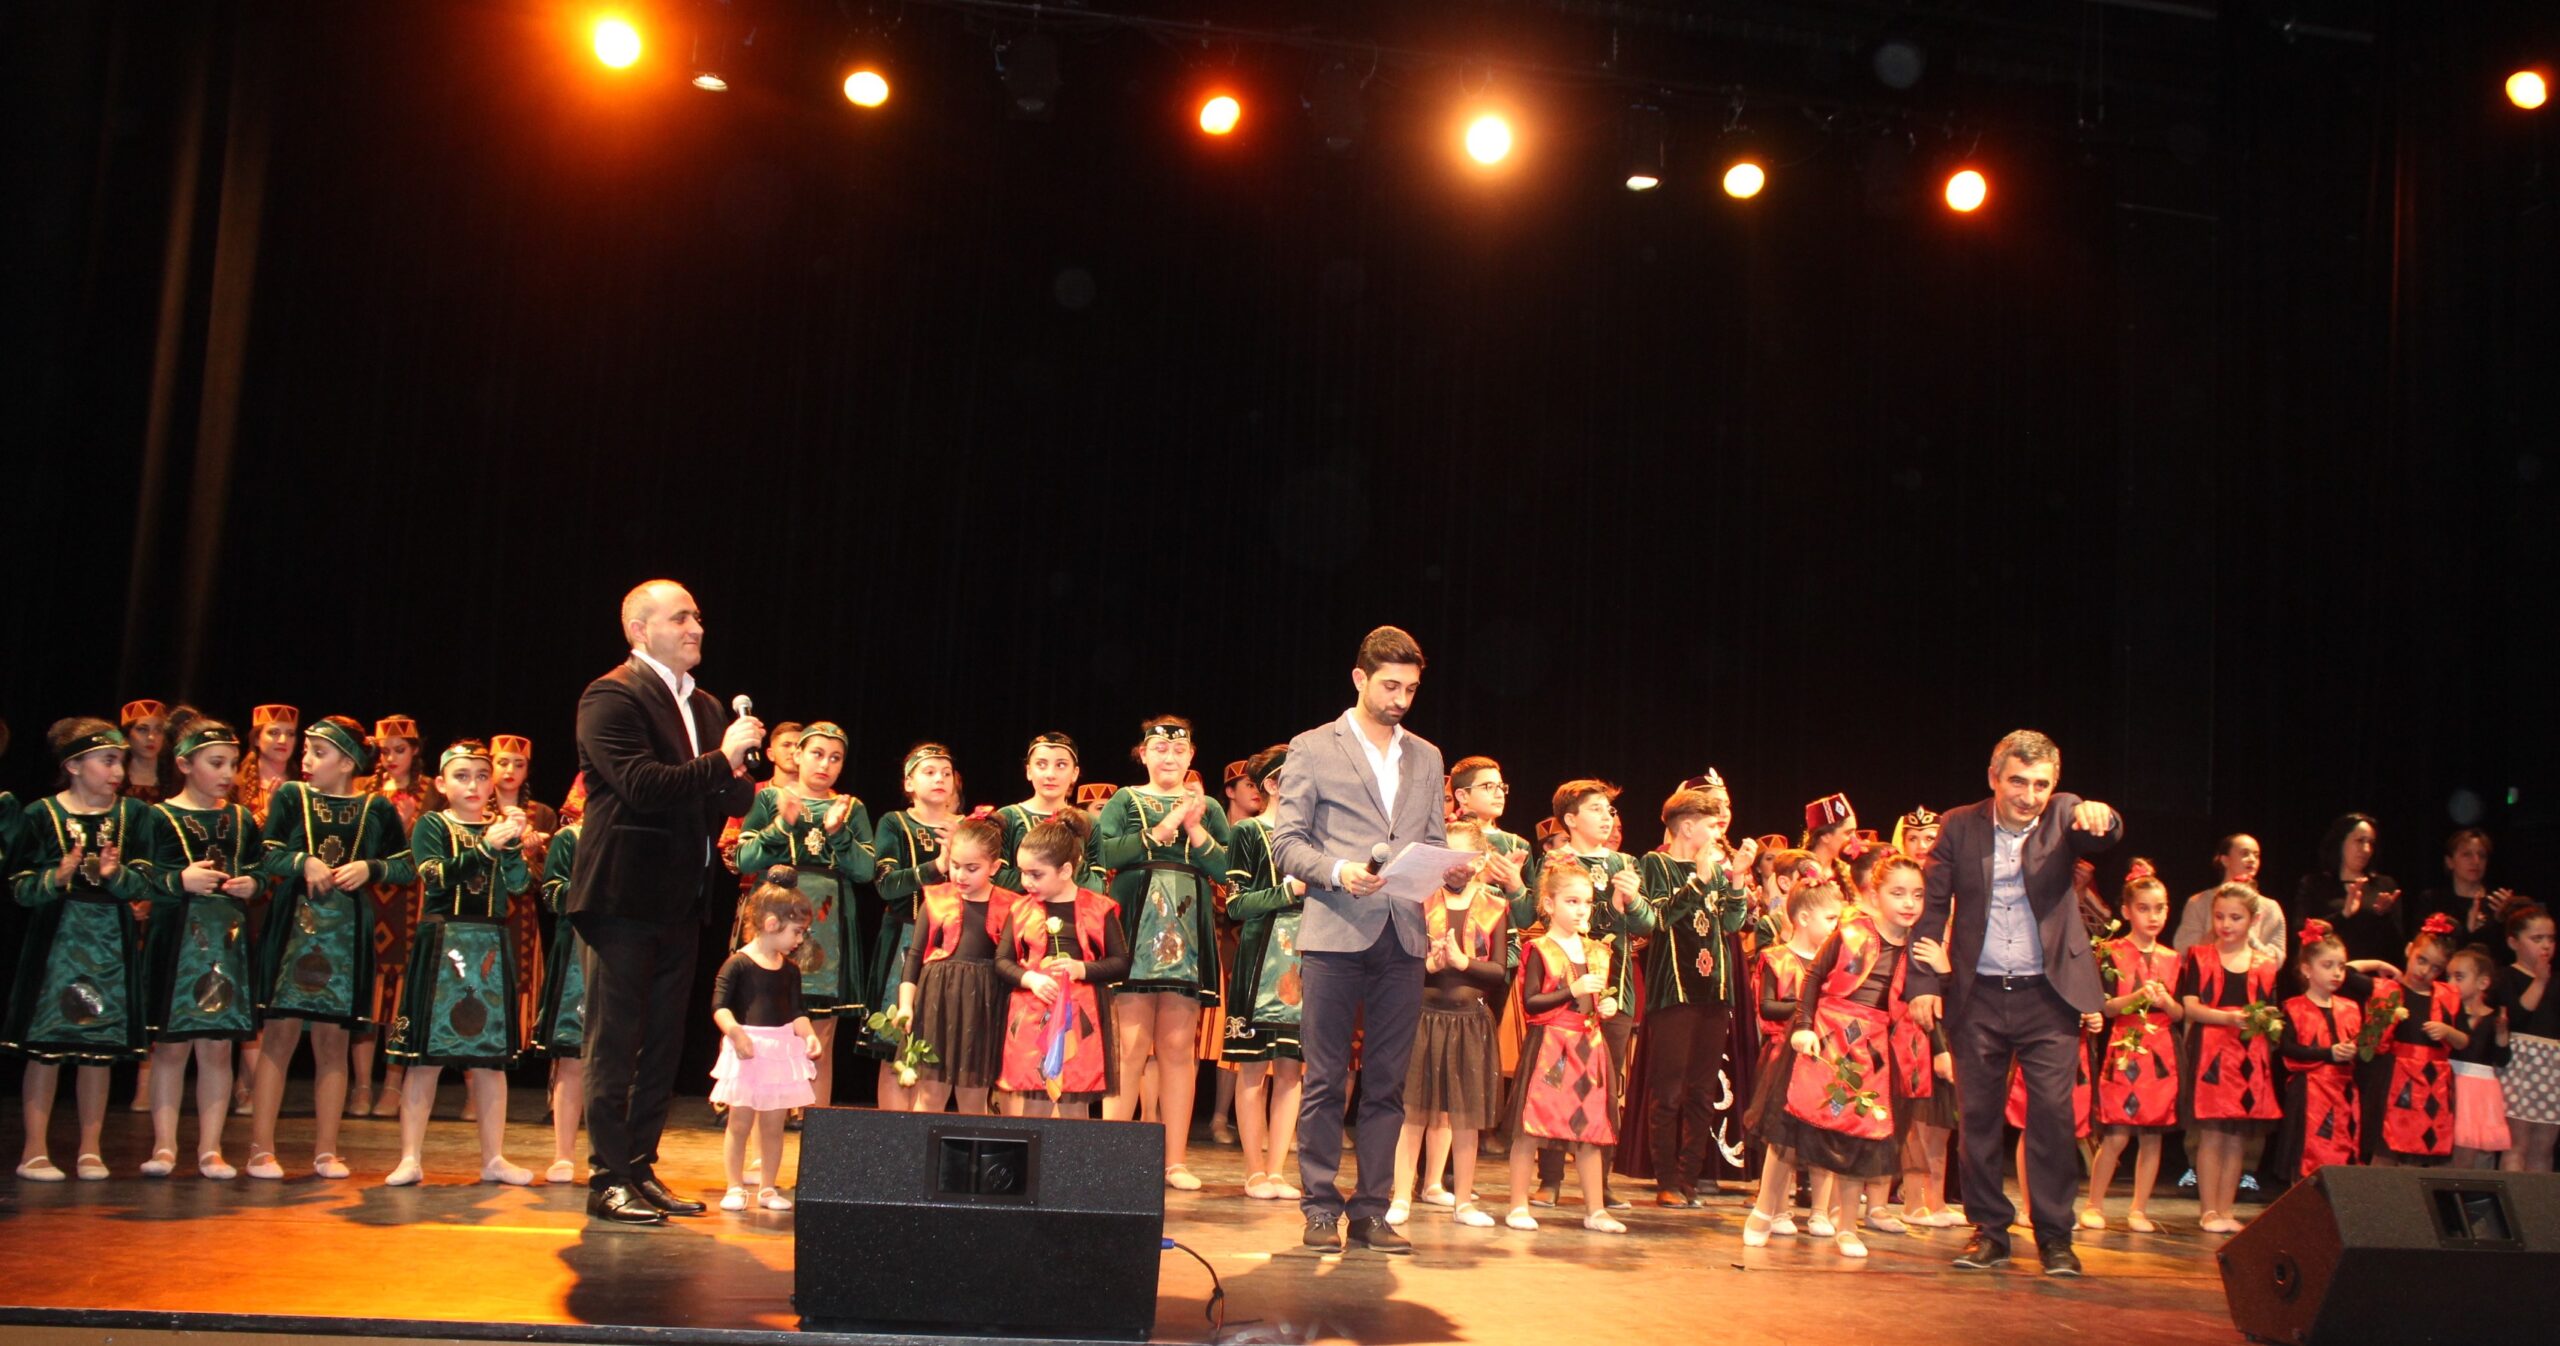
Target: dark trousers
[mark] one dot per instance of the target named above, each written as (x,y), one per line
(2034,1027)
(1616,1032)
(1377,994)
(639,993)
(1683,1049)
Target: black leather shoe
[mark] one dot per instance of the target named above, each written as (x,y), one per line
(622,1205)
(1324,1231)
(2059,1260)
(656,1194)
(1378,1236)
(1984,1252)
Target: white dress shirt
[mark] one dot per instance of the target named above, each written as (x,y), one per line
(1386,766)
(680,686)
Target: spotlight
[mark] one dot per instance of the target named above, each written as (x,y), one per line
(1332,101)
(1967,189)
(1744,180)
(2527,89)
(1489,138)
(1028,67)
(1640,147)
(1219,114)
(720,45)
(617,43)
(866,88)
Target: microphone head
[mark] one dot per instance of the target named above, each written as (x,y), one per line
(1378,857)
(742,706)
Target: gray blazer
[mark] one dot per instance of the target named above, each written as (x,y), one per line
(1329,811)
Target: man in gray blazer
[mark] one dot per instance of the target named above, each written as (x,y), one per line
(1355,791)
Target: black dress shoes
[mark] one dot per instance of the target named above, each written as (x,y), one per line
(656,1194)
(1987,1250)
(622,1205)
(2059,1259)
(1325,1232)
(1378,1236)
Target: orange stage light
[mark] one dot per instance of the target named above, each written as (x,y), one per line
(1489,139)
(866,88)
(617,42)
(2527,89)
(1219,115)
(1744,180)
(1967,189)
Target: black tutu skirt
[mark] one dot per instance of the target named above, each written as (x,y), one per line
(1457,1069)
(956,1011)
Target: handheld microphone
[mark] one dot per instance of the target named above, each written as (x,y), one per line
(1378,857)
(758,767)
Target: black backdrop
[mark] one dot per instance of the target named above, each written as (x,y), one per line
(2219,447)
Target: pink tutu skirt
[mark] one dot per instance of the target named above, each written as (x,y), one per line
(777,1077)
(2479,1109)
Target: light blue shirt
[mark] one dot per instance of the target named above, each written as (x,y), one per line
(2010,945)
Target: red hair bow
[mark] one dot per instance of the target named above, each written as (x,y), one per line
(2315,930)
(2138,871)
(2437,924)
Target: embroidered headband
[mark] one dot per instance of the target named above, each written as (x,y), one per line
(826,729)
(921,753)
(89,743)
(1918,818)
(201,736)
(1039,741)
(336,736)
(1168,729)
(460,752)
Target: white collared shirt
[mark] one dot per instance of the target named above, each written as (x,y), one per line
(1387,764)
(681,688)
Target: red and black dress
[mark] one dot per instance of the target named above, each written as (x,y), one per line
(953,966)
(1063,1051)
(2417,1105)
(1563,1092)
(2320,1090)
(2138,1063)
(1846,1109)
(1777,984)
(2234,1087)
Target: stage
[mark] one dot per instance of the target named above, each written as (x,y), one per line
(141,1260)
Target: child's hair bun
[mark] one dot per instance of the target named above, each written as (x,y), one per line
(783,876)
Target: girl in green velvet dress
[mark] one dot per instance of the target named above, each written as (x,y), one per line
(1165,843)
(458,1000)
(79,989)
(328,844)
(200,853)
(1052,766)
(908,847)
(825,836)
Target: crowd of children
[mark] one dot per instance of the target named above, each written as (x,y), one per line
(198,898)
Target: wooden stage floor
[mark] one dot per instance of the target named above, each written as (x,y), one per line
(142,1260)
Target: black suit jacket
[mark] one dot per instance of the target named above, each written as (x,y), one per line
(1959,875)
(654,808)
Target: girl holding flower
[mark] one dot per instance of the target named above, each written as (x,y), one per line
(2226,989)
(1061,952)
(2138,1065)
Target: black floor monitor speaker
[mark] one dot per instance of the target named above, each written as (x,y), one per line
(997,1226)
(2402,1256)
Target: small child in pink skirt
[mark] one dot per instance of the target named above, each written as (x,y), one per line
(769,1049)
(2479,1102)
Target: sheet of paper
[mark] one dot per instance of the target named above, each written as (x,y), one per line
(1416,871)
